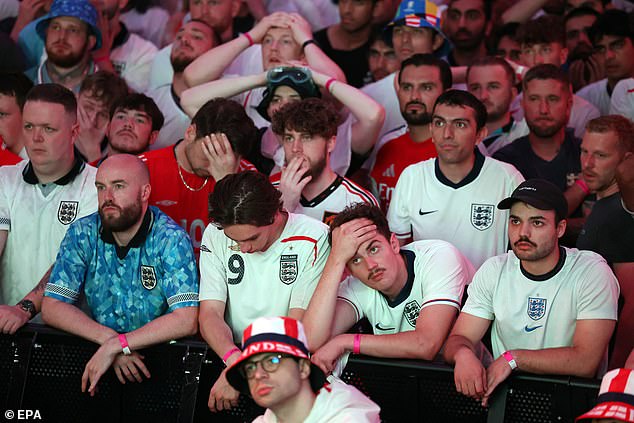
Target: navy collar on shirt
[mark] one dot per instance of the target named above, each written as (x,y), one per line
(137,240)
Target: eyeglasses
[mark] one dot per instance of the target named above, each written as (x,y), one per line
(269,364)
(295,74)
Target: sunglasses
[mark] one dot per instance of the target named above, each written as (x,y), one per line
(295,74)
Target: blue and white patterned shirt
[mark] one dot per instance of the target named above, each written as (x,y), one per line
(128,287)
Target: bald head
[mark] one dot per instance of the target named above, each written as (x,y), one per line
(123,189)
(131,165)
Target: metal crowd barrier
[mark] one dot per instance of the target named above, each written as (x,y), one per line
(41,369)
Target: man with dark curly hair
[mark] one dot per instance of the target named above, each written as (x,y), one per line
(308,133)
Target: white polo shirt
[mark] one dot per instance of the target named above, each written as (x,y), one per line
(37,223)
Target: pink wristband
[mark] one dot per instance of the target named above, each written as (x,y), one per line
(329,83)
(356,348)
(229,353)
(124,344)
(510,359)
(582,184)
(246,34)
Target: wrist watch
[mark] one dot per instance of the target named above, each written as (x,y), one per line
(28,306)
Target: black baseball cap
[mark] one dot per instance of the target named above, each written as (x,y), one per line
(540,194)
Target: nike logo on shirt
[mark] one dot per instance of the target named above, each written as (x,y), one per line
(378,326)
(422,213)
(529,330)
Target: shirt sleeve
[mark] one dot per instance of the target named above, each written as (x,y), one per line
(398,213)
(307,280)
(182,287)
(69,272)
(481,290)
(5,211)
(445,278)
(347,293)
(213,275)
(598,292)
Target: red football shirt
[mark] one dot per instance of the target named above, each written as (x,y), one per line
(392,158)
(188,208)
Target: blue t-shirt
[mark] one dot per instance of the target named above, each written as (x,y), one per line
(126,288)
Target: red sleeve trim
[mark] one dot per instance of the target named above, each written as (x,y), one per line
(304,238)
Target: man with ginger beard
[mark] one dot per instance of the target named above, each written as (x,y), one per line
(135,267)
(308,132)
(192,40)
(70,32)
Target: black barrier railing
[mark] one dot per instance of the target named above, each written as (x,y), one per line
(41,369)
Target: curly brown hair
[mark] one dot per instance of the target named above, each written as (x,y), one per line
(313,116)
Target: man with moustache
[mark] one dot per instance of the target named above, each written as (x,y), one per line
(70,33)
(453,196)
(192,40)
(467,25)
(492,81)
(135,121)
(549,151)
(552,309)
(421,80)
(308,133)
(609,229)
(136,270)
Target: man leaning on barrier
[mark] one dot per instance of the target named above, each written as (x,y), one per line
(410,295)
(135,267)
(552,309)
(275,369)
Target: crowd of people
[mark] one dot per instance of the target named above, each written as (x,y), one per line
(457,174)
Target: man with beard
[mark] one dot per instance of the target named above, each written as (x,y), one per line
(492,81)
(70,33)
(135,121)
(39,198)
(584,65)
(453,196)
(347,42)
(219,137)
(421,80)
(136,270)
(307,130)
(552,309)
(549,151)
(193,39)
(467,25)
(613,38)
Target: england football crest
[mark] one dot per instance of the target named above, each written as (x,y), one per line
(536,308)
(148,277)
(411,311)
(482,216)
(67,212)
(288,268)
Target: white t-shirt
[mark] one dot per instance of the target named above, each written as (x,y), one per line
(426,205)
(336,403)
(537,313)
(597,94)
(132,61)
(383,92)
(149,25)
(437,273)
(266,283)
(176,121)
(622,101)
(37,224)
(339,195)
(582,111)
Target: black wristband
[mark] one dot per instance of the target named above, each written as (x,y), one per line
(307,42)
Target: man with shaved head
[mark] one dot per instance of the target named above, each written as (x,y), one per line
(135,267)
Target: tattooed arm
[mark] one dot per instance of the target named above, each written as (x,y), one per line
(13,317)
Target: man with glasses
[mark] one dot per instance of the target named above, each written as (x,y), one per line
(287,384)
